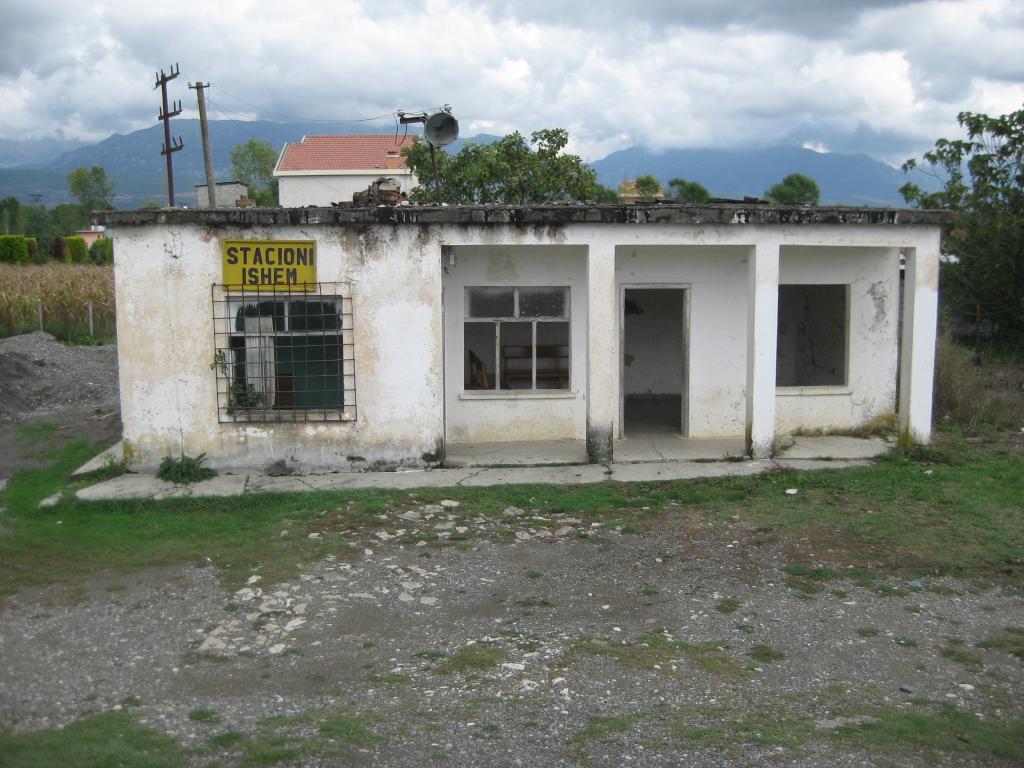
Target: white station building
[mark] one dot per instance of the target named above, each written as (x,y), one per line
(356,338)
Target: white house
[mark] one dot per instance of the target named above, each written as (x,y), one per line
(343,338)
(322,170)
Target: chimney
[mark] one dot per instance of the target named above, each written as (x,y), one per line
(392,160)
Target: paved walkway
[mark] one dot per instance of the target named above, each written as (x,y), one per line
(803,454)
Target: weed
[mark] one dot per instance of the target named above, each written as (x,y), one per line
(867,632)
(202,715)
(533,574)
(224,740)
(184,470)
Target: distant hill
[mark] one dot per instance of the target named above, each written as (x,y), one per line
(134,163)
(849,179)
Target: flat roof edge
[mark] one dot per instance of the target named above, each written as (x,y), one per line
(527,215)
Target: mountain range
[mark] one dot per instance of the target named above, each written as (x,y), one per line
(134,163)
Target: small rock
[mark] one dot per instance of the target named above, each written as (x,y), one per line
(50,501)
(966,686)
(277,648)
(314,536)
(428,600)
(906,689)
(514,665)
(445,526)
(564,530)
(792,491)
(449,503)
(253,579)
(523,536)
(405,597)
(512,512)
(294,624)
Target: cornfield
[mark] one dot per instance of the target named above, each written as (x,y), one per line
(65,292)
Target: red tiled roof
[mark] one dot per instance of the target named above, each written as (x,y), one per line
(343,153)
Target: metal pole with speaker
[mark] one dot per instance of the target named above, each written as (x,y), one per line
(439,129)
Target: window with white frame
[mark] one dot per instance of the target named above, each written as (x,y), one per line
(516,338)
(284,355)
(812,336)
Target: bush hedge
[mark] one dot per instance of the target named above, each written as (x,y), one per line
(102,251)
(77,250)
(14,249)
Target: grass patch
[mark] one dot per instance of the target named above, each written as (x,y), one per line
(728,605)
(603,726)
(658,650)
(867,631)
(945,729)
(960,520)
(1012,642)
(201,715)
(765,654)
(478,657)
(99,741)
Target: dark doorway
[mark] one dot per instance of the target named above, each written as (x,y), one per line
(653,361)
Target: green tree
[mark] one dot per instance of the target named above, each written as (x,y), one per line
(688,191)
(92,188)
(648,186)
(983,184)
(509,171)
(252,163)
(795,189)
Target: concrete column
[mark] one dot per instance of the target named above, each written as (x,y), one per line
(602,333)
(917,359)
(762,329)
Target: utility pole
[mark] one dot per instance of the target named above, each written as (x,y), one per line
(211,185)
(166,115)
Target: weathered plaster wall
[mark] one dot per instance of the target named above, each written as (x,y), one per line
(717,278)
(872,277)
(325,190)
(519,415)
(163,279)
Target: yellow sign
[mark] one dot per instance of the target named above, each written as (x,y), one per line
(267,265)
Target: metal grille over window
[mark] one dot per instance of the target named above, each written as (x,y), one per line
(285,355)
(516,338)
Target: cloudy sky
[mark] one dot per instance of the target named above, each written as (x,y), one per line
(879,76)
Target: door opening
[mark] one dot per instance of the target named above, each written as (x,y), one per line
(654,378)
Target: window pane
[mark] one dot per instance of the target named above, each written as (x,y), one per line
(552,356)
(516,355)
(811,347)
(313,316)
(308,372)
(479,366)
(543,302)
(262,317)
(489,302)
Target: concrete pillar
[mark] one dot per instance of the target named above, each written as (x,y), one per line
(602,333)
(762,329)
(917,359)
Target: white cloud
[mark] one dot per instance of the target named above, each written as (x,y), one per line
(882,77)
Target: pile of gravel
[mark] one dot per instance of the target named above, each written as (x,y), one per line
(39,375)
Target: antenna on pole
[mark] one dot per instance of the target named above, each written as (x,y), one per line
(439,129)
(211,184)
(165,115)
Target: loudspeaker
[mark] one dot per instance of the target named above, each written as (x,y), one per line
(441,129)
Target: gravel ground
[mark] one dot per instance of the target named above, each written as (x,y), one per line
(45,381)
(572,623)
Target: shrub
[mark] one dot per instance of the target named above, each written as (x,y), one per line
(102,251)
(33,250)
(14,249)
(78,251)
(60,250)
(184,469)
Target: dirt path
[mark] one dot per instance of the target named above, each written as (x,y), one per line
(686,645)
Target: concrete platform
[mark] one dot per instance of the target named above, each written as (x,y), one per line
(662,446)
(533,453)
(113,455)
(833,447)
(146,486)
